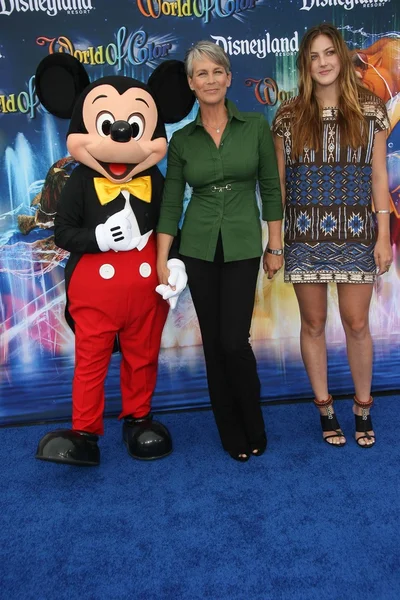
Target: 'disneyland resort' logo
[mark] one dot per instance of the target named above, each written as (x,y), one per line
(259,47)
(50,7)
(346,4)
(200,9)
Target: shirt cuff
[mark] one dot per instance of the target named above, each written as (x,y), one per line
(272,213)
(167,226)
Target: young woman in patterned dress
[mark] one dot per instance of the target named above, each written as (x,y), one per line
(331,149)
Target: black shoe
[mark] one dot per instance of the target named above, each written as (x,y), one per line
(241,452)
(329,422)
(364,423)
(259,447)
(239,456)
(69,447)
(146,439)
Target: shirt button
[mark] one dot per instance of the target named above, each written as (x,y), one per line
(145,270)
(107,271)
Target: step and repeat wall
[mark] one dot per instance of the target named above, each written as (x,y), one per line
(131,38)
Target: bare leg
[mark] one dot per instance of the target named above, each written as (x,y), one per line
(312,299)
(354,302)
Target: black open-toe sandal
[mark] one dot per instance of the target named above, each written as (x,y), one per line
(259,447)
(364,422)
(329,421)
(237,456)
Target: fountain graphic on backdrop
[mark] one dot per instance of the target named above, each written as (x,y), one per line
(31,266)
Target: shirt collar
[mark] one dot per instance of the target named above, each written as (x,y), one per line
(233,113)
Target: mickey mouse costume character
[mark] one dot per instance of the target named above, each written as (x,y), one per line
(106,217)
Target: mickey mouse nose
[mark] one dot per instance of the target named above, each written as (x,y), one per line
(121,131)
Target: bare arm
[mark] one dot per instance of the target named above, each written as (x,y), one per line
(274,234)
(380,194)
(164,243)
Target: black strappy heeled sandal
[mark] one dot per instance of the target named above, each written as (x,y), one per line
(329,421)
(364,422)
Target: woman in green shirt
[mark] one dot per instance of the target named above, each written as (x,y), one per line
(222,155)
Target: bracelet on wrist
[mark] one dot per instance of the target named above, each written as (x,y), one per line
(277,252)
(382,212)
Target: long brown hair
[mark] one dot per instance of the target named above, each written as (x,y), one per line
(307,114)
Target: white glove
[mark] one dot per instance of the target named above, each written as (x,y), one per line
(177,278)
(119,232)
(164,291)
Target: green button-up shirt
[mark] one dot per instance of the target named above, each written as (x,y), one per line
(224,187)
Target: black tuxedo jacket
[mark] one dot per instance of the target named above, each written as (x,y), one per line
(79,212)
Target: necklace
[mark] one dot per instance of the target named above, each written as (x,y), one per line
(218,128)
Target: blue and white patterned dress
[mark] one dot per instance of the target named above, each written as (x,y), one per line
(329,227)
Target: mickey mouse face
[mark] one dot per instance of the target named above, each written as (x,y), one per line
(119,130)
(117,123)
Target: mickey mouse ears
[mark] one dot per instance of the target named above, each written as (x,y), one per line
(60,79)
(171,91)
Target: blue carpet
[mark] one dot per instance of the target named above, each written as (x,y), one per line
(304,521)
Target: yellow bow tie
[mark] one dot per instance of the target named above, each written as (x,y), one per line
(107,190)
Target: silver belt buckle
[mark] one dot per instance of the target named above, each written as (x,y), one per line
(216,188)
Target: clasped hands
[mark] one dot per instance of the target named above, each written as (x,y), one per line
(173,280)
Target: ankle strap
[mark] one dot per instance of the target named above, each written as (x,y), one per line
(367,404)
(322,403)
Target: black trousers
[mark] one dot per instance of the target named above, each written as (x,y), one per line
(223,296)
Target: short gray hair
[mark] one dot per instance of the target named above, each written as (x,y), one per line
(211,51)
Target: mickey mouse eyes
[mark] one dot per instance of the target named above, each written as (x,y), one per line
(137,122)
(103,123)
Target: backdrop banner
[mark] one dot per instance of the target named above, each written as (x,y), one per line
(132,37)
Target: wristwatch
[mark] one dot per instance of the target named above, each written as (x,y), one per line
(276,252)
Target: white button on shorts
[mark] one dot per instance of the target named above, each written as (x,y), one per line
(107,271)
(145,270)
